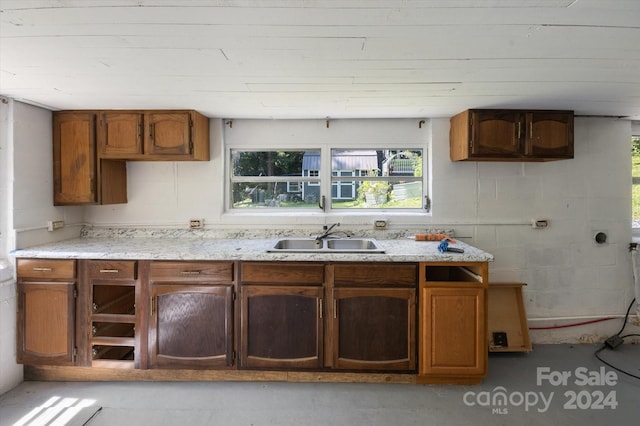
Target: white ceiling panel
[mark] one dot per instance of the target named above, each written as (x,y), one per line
(319,58)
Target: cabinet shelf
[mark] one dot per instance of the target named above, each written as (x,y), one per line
(113,341)
(114,318)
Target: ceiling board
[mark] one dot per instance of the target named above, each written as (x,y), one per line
(318,58)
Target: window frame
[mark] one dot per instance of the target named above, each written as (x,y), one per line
(325,180)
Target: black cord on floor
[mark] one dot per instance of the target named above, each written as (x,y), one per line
(624,324)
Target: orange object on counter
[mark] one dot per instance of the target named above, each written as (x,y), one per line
(434,237)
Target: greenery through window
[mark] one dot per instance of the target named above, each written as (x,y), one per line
(359,179)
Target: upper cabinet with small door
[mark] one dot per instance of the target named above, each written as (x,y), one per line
(90,149)
(153,135)
(511,135)
(80,177)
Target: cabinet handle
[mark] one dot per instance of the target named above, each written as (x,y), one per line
(41,269)
(190,273)
(151,305)
(531,130)
(109,271)
(320,307)
(519,129)
(335,308)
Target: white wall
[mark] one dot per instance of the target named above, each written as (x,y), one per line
(567,273)
(10,373)
(26,196)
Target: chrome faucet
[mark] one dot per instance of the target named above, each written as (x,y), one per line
(326,231)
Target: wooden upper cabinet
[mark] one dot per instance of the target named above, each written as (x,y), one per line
(496,133)
(120,134)
(90,149)
(511,135)
(549,134)
(74,158)
(79,176)
(169,134)
(154,135)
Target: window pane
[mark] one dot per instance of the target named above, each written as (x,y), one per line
(262,179)
(397,183)
(263,194)
(273,163)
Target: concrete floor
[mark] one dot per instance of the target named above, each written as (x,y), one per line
(588,385)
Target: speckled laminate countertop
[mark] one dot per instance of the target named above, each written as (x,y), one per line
(143,248)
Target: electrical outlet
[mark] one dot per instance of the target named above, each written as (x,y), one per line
(380,224)
(540,223)
(52,225)
(196,223)
(500,339)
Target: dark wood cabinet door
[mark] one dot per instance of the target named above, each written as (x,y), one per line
(549,134)
(74,158)
(496,133)
(168,134)
(374,328)
(120,134)
(453,331)
(281,326)
(46,323)
(191,326)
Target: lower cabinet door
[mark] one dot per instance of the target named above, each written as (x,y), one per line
(453,332)
(281,327)
(46,323)
(374,329)
(191,326)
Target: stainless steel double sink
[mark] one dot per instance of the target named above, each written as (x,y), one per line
(326,245)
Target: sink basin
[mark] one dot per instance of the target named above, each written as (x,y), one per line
(358,244)
(311,245)
(298,244)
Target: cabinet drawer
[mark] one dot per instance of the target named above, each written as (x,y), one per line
(46,268)
(112,270)
(211,272)
(293,273)
(372,274)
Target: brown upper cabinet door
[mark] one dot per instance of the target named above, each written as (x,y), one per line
(120,134)
(74,158)
(511,135)
(168,134)
(549,134)
(496,133)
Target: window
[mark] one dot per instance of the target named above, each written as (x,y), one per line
(271,179)
(360,178)
(373,178)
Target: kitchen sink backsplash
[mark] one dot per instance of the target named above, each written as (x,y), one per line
(89,231)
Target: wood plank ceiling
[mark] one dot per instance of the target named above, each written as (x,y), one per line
(323,58)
